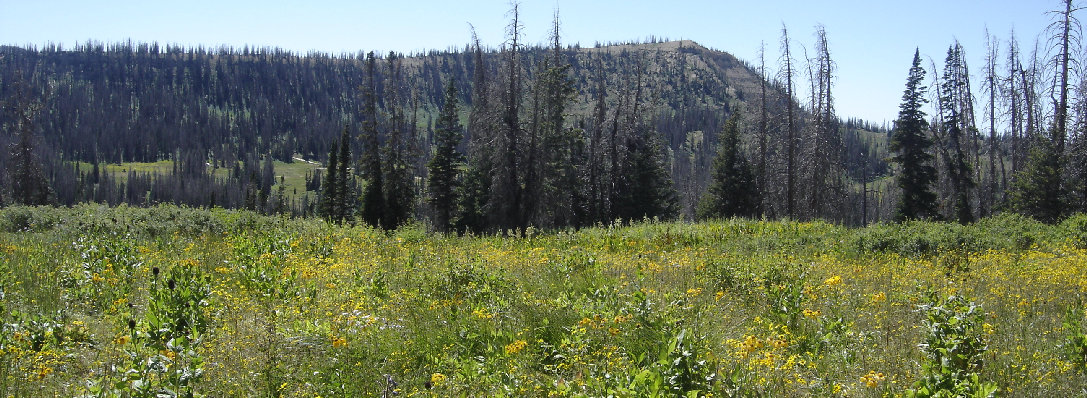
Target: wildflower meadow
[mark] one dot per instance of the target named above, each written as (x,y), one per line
(171,301)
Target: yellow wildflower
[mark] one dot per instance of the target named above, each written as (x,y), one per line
(873,379)
(437,379)
(515,347)
(339,341)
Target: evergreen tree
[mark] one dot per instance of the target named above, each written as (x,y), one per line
(399,182)
(645,189)
(29,185)
(345,203)
(328,207)
(733,191)
(911,147)
(475,191)
(373,196)
(443,167)
(554,195)
(1037,191)
(956,123)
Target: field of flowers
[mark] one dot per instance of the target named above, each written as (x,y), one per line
(126,302)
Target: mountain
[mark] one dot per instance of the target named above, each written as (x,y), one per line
(220,107)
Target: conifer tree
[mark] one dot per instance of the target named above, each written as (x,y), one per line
(733,191)
(345,203)
(911,146)
(399,180)
(327,208)
(649,191)
(29,185)
(1039,189)
(444,166)
(373,196)
(474,195)
(957,118)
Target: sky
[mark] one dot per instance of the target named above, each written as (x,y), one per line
(871,41)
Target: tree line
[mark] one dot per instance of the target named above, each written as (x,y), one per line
(1029,155)
(522,136)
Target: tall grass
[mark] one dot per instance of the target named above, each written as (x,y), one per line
(271,306)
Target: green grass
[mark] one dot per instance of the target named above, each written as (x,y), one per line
(293,174)
(136,302)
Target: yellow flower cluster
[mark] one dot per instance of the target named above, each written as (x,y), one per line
(873,379)
(515,347)
(482,313)
(338,341)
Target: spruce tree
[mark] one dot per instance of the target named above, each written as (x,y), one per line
(733,191)
(443,167)
(911,147)
(399,180)
(645,189)
(29,186)
(373,196)
(327,208)
(345,203)
(1037,190)
(956,124)
(474,195)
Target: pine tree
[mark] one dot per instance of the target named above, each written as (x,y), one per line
(373,196)
(956,123)
(645,189)
(733,191)
(345,203)
(327,208)
(556,199)
(475,193)
(444,166)
(911,146)
(1037,191)
(399,180)
(29,185)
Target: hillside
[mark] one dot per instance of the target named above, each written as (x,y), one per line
(146,103)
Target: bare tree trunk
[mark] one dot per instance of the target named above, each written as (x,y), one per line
(990,194)
(595,160)
(1014,111)
(1060,131)
(790,144)
(764,118)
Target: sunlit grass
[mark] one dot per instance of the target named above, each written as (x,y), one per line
(727,308)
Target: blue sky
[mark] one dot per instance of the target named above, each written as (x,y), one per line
(871,41)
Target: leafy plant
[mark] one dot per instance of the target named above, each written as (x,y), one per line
(953,350)
(1075,345)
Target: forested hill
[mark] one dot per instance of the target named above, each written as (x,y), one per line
(145,103)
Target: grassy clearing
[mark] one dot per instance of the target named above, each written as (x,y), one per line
(293,174)
(137,302)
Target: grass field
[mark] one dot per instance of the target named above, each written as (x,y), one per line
(170,301)
(293,174)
